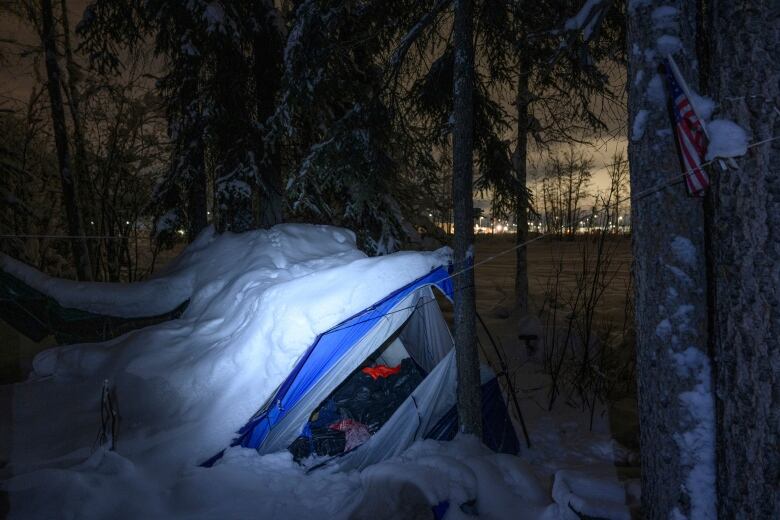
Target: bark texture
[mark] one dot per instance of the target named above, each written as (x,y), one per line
(669,272)
(69,192)
(745,79)
(469,408)
(520,160)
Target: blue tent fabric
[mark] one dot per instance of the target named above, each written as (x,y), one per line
(325,353)
(498,433)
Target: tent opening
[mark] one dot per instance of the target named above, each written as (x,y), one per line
(370,395)
(358,408)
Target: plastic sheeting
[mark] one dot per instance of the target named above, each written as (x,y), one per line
(426,335)
(37,316)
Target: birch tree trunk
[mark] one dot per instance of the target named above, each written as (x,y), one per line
(745,81)
(675,400)
(469,400)
(69,192)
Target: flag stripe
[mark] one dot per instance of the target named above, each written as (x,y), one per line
(693,169)
(691,139)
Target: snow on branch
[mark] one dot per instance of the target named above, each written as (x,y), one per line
(414,33)
(588,19)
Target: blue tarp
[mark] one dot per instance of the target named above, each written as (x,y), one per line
(325,353)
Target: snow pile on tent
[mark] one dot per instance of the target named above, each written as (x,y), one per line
(187,385)
(211,259)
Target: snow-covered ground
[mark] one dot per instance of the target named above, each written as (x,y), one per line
(183,388)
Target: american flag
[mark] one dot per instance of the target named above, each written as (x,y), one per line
(691,138)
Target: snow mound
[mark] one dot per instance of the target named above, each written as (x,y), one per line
(245,485)
(210,260)
(258,300)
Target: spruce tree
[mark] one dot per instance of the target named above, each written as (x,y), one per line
(351,159)
(221,75)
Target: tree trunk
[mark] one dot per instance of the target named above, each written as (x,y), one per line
(520,160)
(74,98)
(746,82)
(80,161)
(237,165)
(675,399)
(69,191)
(197,206)
(190,150)
(469,400)
(268,56)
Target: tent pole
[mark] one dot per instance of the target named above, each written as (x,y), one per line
(505,372)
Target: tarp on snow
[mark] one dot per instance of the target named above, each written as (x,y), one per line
(37,316)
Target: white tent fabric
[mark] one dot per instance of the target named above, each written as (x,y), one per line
(426,335)
(427,341)
(393,354)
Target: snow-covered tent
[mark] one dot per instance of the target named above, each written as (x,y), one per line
(407,324)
